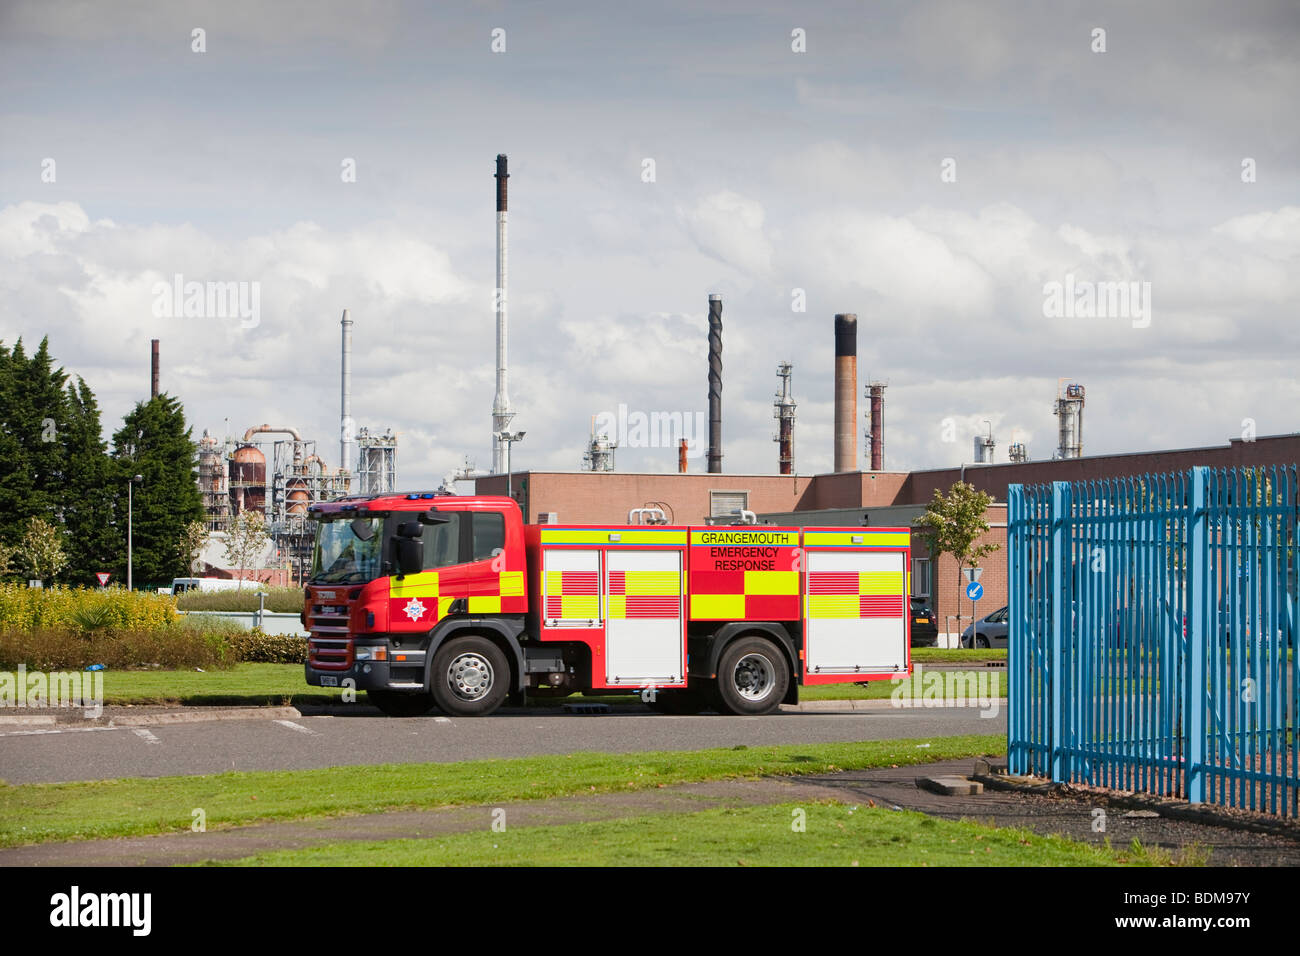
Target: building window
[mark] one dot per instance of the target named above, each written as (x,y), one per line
(921,577)
(726,504)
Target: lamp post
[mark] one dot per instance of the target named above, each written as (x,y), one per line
(130,504)
(509,438)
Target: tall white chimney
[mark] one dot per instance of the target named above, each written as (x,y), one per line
(346,436)
(502,412)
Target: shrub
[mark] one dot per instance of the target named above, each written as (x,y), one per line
(280,600)
(23,608)
(63,648)
(262,648)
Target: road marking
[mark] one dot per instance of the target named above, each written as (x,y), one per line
(442,720)
(145,735)
(298,727)
(60,730)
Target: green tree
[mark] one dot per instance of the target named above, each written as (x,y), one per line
(155,443)
(32,408)
(246,539)
(94,523)
(56,462)
(952,523)
(41,550)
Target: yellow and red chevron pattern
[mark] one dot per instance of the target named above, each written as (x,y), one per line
(416,599)
(855,594)
(502,594)
(645,594)
(572,595)
(745,595)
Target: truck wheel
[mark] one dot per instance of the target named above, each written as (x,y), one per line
(752,677)
(397,704)
(470,677)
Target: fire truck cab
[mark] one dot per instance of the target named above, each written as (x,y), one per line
(428,600)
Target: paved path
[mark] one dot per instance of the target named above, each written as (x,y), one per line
(891,787)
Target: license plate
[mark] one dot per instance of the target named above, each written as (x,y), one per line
(329,682)
(920,620)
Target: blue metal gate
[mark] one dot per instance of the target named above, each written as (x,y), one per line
(1152,623)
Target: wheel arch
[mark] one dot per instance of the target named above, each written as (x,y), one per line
(733,631)
(503,633)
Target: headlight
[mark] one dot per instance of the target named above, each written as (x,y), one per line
(375,652)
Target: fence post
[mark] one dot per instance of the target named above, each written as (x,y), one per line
(1198,584)
(1061,630)
(1016,638)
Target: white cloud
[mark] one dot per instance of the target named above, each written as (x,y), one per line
(729,227)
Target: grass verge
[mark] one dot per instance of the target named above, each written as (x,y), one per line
(38,813)
(956,655)
(262,685)
(833,834)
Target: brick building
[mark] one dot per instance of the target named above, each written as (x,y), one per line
(860,499)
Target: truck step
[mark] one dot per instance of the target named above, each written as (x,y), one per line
(586,708)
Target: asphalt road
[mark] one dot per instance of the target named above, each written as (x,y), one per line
(69,752)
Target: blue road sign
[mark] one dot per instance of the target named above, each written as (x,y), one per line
(974,590)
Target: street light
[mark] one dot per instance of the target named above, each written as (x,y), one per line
(130,486)
(509,438)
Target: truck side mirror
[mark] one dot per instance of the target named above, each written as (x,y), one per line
(410,529)
(410,556)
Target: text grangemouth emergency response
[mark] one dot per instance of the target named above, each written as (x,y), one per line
(746,550)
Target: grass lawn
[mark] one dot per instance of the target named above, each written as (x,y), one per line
(957,655)
(259,685)
(834,834)
(244,684)
(36,813)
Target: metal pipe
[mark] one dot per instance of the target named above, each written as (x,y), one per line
(715,384)
(345,410)
(502,412)
(846,392)
(261,429)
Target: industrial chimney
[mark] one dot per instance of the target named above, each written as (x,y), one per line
(345,410)
(153,366)
(876,390)
(1069,410)
(846,392)
(715,384)
(502,413)
(783,412)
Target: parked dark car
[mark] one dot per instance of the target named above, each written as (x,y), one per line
(925,627)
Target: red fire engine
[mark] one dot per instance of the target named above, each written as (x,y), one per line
(429,600)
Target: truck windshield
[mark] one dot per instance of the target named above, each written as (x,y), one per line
(341,557)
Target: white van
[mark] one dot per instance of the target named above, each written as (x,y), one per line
(181,585)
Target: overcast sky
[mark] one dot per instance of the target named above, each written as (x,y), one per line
(774,170)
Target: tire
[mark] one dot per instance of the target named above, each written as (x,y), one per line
(752,677)
(398,704)
(470,677)
(981,642)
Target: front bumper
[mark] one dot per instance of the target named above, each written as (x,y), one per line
(406,674)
